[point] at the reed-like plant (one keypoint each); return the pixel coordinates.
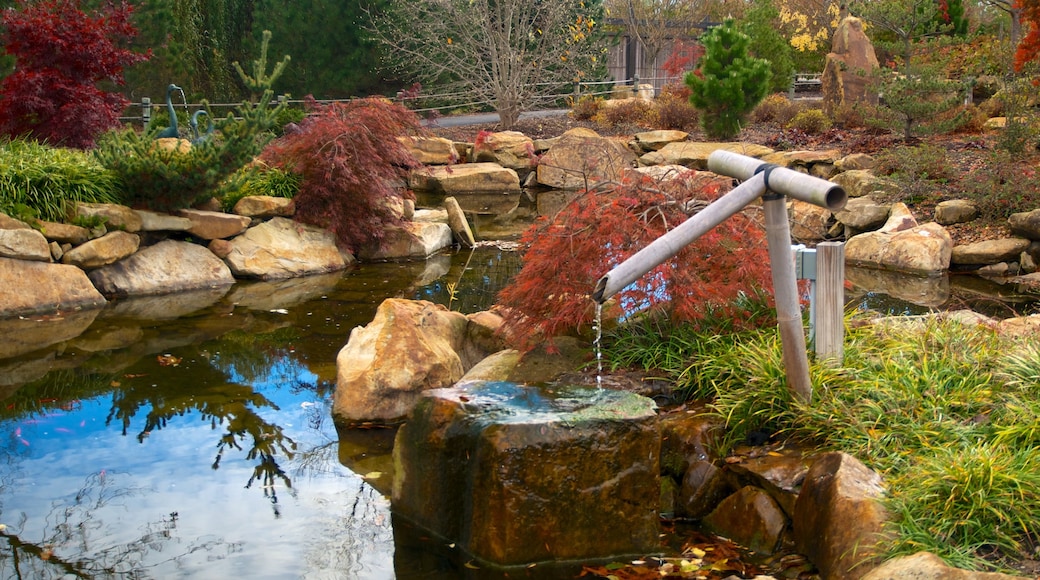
(48, 181)
(948, 413)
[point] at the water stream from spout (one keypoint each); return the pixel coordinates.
(598, 326)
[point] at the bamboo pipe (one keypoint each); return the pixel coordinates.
(785, 292)
(668, 245)
(779, 179)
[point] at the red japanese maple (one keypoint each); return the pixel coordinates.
(566, 256)
(62, 53)
(352, 164)
(1029, 47)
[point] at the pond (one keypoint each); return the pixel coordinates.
(191, 436)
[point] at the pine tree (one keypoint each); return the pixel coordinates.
(729, 82)
(761, 25)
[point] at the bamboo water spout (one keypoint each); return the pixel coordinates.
(772, 183)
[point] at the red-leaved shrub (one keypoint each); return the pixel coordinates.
(62, 53)
(351, 165)
(566, 256)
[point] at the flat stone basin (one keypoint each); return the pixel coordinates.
(516, 475)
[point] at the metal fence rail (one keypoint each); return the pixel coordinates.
(438, 104)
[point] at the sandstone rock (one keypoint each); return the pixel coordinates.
(484, 335)
(664, 172)
(802, 159)
(27, 287)
(409, 240)
(955, 211)
(855, 161)
(510, 149)
(839, 519)
(458, 223)
(56, 251)
(109, 248)
(849, 68)
(437, 216)
(465, 178)
(928, 566)
(214, 225)
(923, 249)
(1026, 224)
(1021, 326)
(703, 488)
(517, 476)
(860, 182)
(64, 233)
(862, 214)
(115, 216)
(9, 223)
(283, 248)
(695, 155)
(24, 244)
(173, 144)
(808, 221)
(780, 474)
(582, 158)
(409, 347)
(264, 206)
(169, 266)
(655, 140)
(750, 518)
(496, 367)
(162, 222)
(687, 438)
(989, 251)
(431, 150)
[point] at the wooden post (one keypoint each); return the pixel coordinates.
(830, 302)
(146, 111)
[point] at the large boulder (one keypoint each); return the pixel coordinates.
(214, 225)
(862, 214)
(749, 517)
(107, 249)
(1026, 224)
(27, 287)
(582, 158)
(839, 519)
(409, 240)
(989, 252)
(114, 215)
(409, 347)
(482, 188)
(515, 475)
(24, 244)
(902, 245)
(928, 566)
(431, 150)
(264, 206)
(510, 149)
(169, 266)
(655, 140)
(283, 248)
(695, 154)
(849, 68)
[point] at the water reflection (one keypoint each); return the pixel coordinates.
(191, 435)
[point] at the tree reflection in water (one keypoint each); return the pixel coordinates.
(75, 542)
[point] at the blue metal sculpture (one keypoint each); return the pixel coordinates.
(194, 124)
(171, 131)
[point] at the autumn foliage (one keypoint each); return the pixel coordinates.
(567, 255)
(1029, 46)
(62, 54)
(351, 165)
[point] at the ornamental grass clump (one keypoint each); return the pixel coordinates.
(46, 182)
(947, 412)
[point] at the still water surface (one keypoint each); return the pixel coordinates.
(191, 437)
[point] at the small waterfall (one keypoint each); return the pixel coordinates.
(597, 325)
